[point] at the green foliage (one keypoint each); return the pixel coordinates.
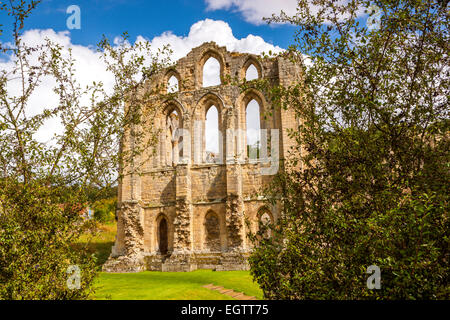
(104, 210)
(44, 187)
(37, 229)
(99, 242)
(371, 184)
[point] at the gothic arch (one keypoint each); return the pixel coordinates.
(173, 103)
(212, 137)
(172, 121)
(206, 101)
(264, 120)
(264, 210)
(204, 104)
(265, 218)
(251, 60)
(249, 95)
(169, 74)
(210, 53)
(164, 234)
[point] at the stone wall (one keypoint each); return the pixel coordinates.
(205, 205)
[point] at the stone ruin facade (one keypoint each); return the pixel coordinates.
(187, 210)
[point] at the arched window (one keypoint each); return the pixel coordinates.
(212, 135)
(173, 122)
(172, 84)
(253, 127)
(163, 239)
(251, 73)
(212, 232)
(265, 219)
(211, 73)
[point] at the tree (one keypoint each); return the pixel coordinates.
(370, 185)
(45, 186)
(105, 209)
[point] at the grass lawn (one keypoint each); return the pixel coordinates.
(160, 285)
(174, 285)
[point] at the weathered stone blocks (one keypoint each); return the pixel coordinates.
(205, 205)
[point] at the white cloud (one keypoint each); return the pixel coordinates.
(251, 73)
(254, 11)
(90, 68)
(173, 84)
(211, 73)
(211, 30)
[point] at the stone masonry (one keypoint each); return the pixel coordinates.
(183, 211)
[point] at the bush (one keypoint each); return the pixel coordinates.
(371, 185)
(36, 245)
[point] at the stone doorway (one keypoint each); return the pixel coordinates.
(163, 236)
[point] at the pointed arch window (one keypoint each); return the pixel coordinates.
(251, 73)
(265, 220)
(211, 73)
(253, 130)
(173, 123)
(163, 239)
(212, 135)
(172, 85)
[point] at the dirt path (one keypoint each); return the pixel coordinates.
(229, 292)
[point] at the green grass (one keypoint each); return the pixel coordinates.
(173, 285)
(100, 243)
(160, 285)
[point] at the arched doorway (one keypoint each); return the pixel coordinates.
(163, 236)
(212, 232)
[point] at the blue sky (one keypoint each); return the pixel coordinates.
(152, 18)
(183, 24)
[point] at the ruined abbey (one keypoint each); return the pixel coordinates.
(188, 207)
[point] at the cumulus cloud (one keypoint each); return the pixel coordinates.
(89, 66)
(254, 11)
(211, 30)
